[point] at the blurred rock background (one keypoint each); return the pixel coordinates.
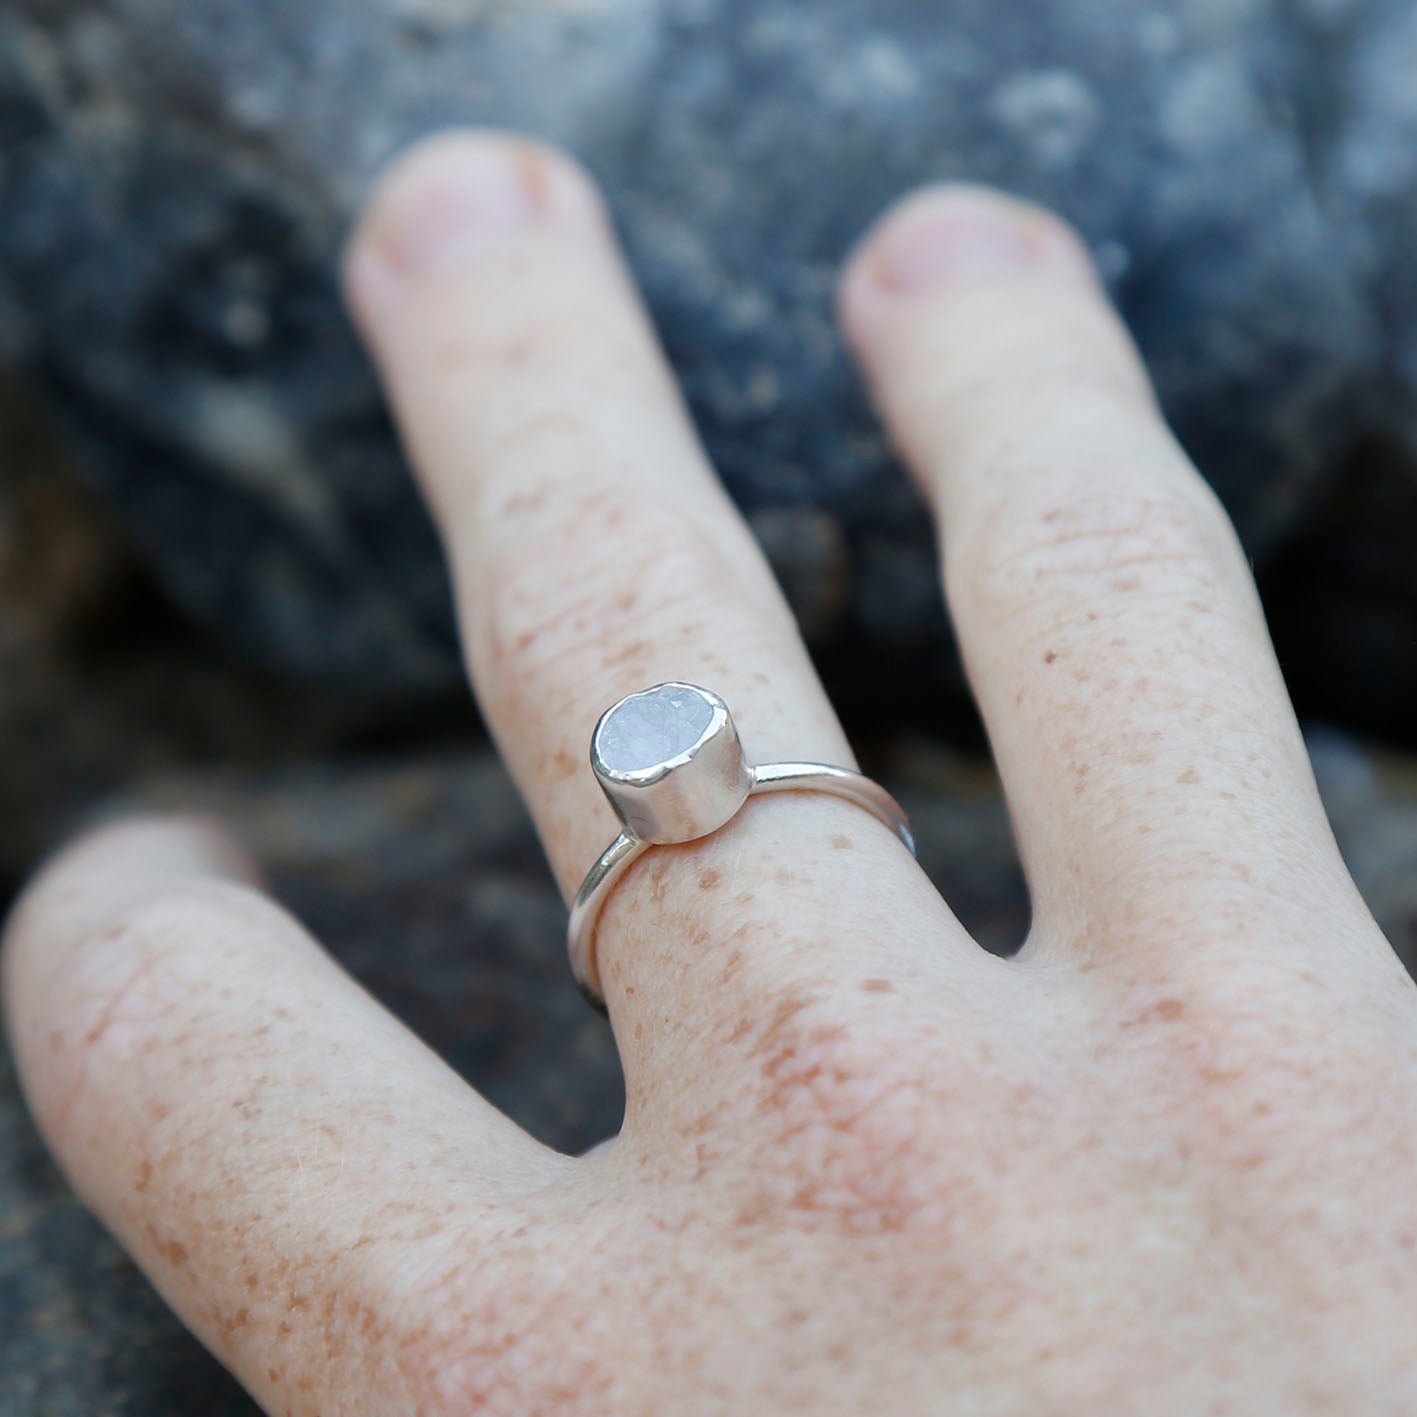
(217, 589)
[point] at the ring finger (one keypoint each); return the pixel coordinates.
(594, 553)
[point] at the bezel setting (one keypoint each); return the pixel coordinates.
(688, 795)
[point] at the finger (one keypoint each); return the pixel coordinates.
(283, 1159)
(595, 554)
(1107, 616)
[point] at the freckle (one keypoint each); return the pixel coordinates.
(176, 1253)
(877, 986)
(1168, 1010)
(1189, 777)
(709, 879)
(564, 764)
(523, 502)
(635, 649)
(1050, 656)
(731, 966)
(842, 843)
(745, 898)
(145, 1175)
(1126, 583)
(1092, 616)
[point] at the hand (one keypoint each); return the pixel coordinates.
(1161, 1163)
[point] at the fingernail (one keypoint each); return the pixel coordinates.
(450, 205)
(954, 239)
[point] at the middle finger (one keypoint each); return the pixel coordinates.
(1112, 632)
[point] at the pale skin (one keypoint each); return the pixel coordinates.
(1161, 1163)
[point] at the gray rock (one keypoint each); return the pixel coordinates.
(178, 175)
(1344, 595)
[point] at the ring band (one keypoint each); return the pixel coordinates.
(672, 766)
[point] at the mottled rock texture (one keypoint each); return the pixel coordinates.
(178, 176)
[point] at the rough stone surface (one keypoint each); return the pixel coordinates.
(179, 174)
(651, 728)
(101, 683)
(1344, 595)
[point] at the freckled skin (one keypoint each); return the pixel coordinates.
(1161, 1164)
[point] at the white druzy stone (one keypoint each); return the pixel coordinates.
(651, 728)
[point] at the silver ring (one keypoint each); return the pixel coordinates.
(671, 763)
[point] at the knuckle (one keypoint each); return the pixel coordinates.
(130, 976)
(1067, 362)
(512, 1334)
(536, 350)
(1094, 536)
(502, 1370)
(858, 1121)
(608, 560)
(1252, 1059)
